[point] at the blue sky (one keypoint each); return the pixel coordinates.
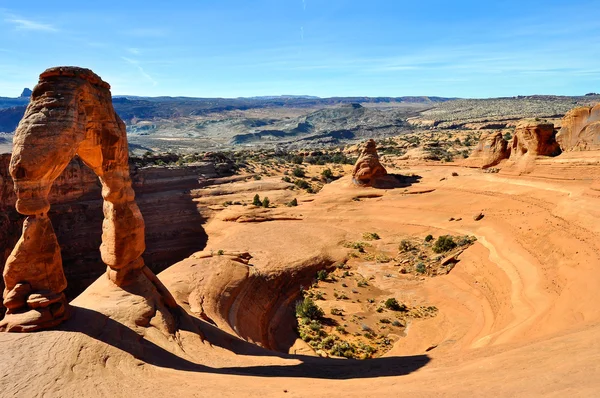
(227, 48)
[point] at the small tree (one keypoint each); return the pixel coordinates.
(257, 201)
(265, 202)
(308, 309)
(327, 174)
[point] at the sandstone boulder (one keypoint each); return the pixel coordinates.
(368, 168)
(534, 138)
(491, 150)
(580, 129)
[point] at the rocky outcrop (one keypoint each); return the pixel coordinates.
(491, 150)
(70, 114)
(534, 138)
(368, 168)
(580, 129)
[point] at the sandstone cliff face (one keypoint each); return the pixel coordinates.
(534, 138)
(491, 150)
(580, 129)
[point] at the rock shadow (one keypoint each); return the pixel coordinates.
(104, 329)
(393, 181)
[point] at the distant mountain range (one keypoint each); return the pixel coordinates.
(132, 108)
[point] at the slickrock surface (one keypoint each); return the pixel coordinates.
(580, 129)
(368, 168)
(519, 307)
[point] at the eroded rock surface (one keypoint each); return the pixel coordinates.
(70, 114)
(491, 150)
(580, 129)
(368, 168)
(534, 138)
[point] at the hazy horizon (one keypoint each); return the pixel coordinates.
(334, 48)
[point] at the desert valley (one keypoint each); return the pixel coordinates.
(297, 246)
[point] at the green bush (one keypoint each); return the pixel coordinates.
(265, 202)
(256, 201)
(429, 238)
(406, 246)
(308, 309)
(327, 174)
(421, 269)
(392, 304)
(322, 275)
(298, 172)
(443, 244)
(371, 236)
(293, 203)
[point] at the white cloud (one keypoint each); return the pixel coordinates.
(140, 69)
(27, 24)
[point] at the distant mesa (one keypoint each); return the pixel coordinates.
(26, 93)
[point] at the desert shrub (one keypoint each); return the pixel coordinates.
(257, 177)
(322, 275)
(362, 283)
(298, 172)
(421, 269)
(220, 252)
(392, 304)
(429, 238)
(265, 202)
(302, 184)
(308, 309)
(385, 320)
(327, 174)
(293, 203)
(371, 236)
(397, 323)
(256, 201)
(337, 311)
(443, 244)
(507, 136)
(406, 246)
(286, 179)
(342, 349)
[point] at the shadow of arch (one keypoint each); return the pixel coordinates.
(106, 330)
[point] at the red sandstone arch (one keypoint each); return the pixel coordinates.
(70, 113)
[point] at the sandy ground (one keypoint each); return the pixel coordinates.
(518, 315)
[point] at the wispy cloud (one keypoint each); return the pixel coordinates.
(140, 69)
(133, 50)
(28, 24)
(147, 32)
(304, 4)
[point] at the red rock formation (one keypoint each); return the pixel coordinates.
(580, 129)
(491, 150)
(368, 168)
(533, 138)
(70, 113)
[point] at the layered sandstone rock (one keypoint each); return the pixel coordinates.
(70, 113)
(580, 129)
(368, 168)
(534, 138)
(491, 150)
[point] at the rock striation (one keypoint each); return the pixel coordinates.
(491, 150)
(70, 114)
(368, 168)
(580, 129)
